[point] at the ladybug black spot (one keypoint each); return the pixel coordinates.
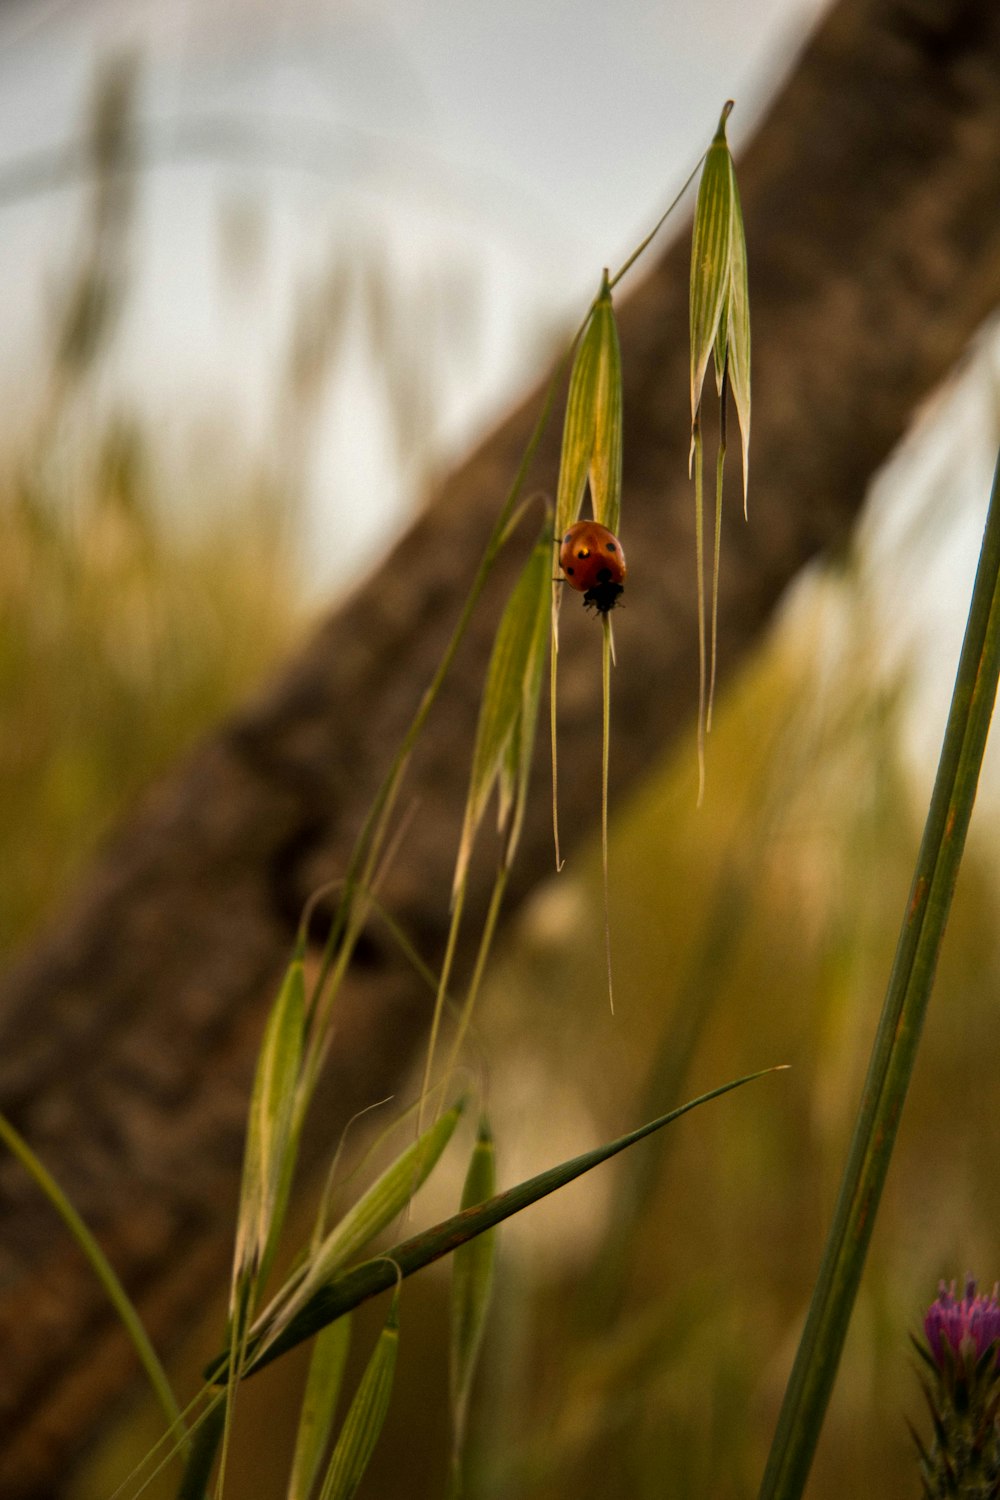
(604, 575)
(571, 571)
(611, 547)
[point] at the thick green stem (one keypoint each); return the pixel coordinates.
(899, 1031)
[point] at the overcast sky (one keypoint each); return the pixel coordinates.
(511, 150)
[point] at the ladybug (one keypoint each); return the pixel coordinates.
(593, 563)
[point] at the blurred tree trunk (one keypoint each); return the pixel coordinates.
(872, 200)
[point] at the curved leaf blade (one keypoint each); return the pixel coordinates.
(349, 1288)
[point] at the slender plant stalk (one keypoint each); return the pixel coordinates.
(607, 657)
(442, 991)
(485, 945)
(896, 1043)
(102, 1269)
(651, 236)
(553, 731)
(198, 1469)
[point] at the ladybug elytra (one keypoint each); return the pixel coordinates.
(593, 563)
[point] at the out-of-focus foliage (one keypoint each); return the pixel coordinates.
(151, 567)
(131, 616)
(124, 632)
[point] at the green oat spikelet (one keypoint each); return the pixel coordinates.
(270, 1130)
(720, 332)
(719, 310)
(326, 1373)
(366, 1415)
(267, 1166)
(591, 450)
(592, 431)
(383, 1201)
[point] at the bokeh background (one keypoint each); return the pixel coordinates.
(267, 274)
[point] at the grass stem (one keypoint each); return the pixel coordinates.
(117, 1295)
(897, 1040)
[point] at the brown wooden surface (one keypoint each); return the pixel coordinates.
(872, 200)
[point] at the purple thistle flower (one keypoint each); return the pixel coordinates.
(962, 1329)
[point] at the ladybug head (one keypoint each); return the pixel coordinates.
(604, 594)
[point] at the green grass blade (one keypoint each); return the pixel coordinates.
(898, 1036)
(326, 1372)
(103, 1270)
(350, 1288)
(366, 1417)
(471, 1286)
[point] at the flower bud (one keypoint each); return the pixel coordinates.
(962, 1356)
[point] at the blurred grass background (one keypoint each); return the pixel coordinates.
(644, 1323)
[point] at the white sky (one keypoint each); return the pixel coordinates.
(522, 146)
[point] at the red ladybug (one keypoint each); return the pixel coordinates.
(593, 562)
